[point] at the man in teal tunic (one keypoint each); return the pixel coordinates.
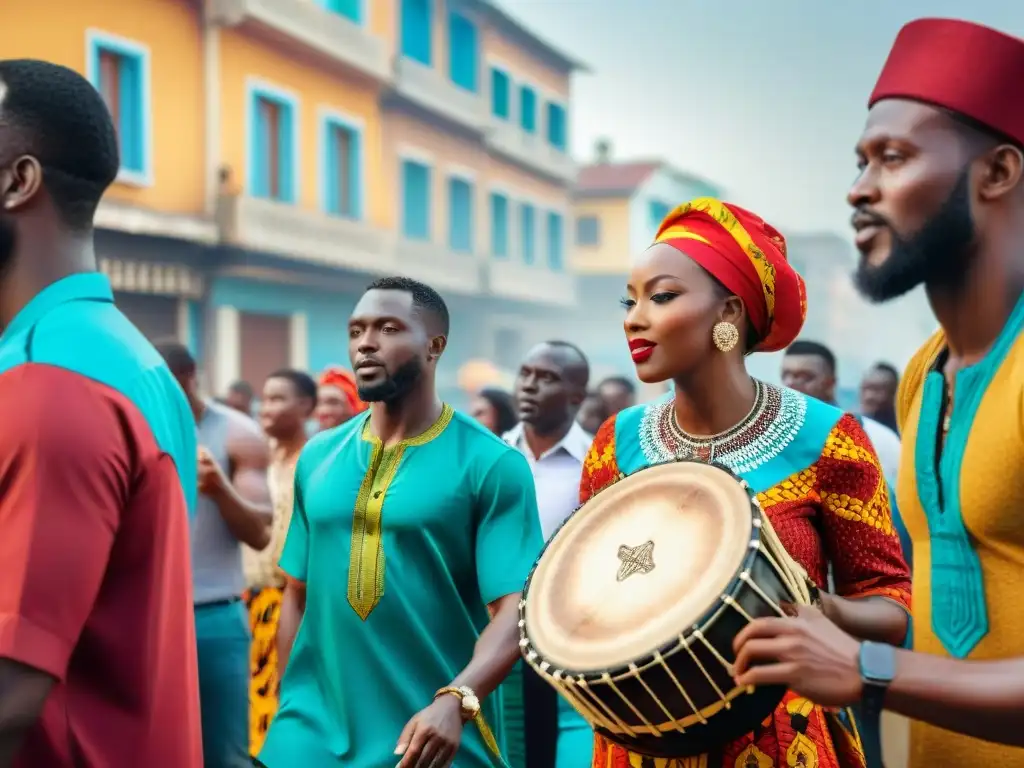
(434, 520)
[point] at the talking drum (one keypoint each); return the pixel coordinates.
(632, 607)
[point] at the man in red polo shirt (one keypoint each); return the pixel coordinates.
(97, 465)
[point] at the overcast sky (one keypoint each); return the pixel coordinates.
(765, 98)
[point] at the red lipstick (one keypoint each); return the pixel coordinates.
(641, 349)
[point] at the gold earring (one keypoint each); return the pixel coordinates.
(725, 335)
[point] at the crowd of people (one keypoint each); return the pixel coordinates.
(184, 585)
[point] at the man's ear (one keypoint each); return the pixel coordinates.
(437, 347)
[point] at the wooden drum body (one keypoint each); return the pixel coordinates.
(631, 610)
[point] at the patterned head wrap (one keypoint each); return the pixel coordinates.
(748, 256)
(336, 376)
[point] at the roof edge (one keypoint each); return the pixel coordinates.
(502, 18)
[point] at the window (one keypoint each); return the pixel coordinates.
(527, 233)
(588, 230)
(499, 226)
(501, 94)
(557, 126)
(460, 215)
(415, 200)
(416, 30)
(659, 211)
(342, 169)
(350, 9)
(556, 241)
(528, 109)
(463, 51)
(272, 146)
(119, 70)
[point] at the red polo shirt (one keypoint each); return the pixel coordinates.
(95, 579)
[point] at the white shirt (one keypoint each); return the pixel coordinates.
(556, 474)
(887, 446)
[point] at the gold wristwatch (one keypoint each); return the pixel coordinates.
(471, 711)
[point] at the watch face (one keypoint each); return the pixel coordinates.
(877, 662)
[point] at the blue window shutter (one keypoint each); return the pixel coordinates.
(460, 215)
(285, 150)
(133, 155)
(500, 88)
(462, 61)
(527, 239)
(528, 109)
(332, 192)
(556, 126)
(416, 30)
(350, 9)
(587, 231)
(555, 241)
(416, 200)
(355, 175)
(260, 149)
(499, 226)
(659, 211)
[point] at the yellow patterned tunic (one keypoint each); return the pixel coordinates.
(963, 510)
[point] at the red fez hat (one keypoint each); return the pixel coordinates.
(961, 66)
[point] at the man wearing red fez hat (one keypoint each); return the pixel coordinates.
(939, 202)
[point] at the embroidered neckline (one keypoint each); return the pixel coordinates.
(774, 420)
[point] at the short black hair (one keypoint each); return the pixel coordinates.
(976, 134)
(888, 368)
(424, 298)
(61, 120)
(177, 357)
(813, 349)
(574, 351)
(620, 381)
(302, 381)
(504, 408)
(244, 388)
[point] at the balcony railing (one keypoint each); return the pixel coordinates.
(304, 23)
(532, 283)
(530, 150)
(431, 90)
(316, 238)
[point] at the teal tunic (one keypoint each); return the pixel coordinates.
(430, 531)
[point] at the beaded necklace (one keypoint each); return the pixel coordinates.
(772, 423)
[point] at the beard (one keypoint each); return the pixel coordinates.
(396, 386)
(937, 254)
(8, 241)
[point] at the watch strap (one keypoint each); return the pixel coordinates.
(478, 719)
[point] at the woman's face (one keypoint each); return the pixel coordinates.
(482, 410)
(672, 305)
(332, 408)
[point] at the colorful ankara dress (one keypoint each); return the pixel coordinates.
(818, 480)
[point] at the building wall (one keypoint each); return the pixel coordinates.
(170, 32)
(451, 155)
(524, 66)
(668, 189)
(612, 253)
(245, 62)
(324, 317)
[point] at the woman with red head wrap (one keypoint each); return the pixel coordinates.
(714, 287)
(337, 399)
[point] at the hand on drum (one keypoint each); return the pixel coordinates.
(807, 653)
(431, 738)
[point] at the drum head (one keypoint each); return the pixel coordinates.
(638, 565)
